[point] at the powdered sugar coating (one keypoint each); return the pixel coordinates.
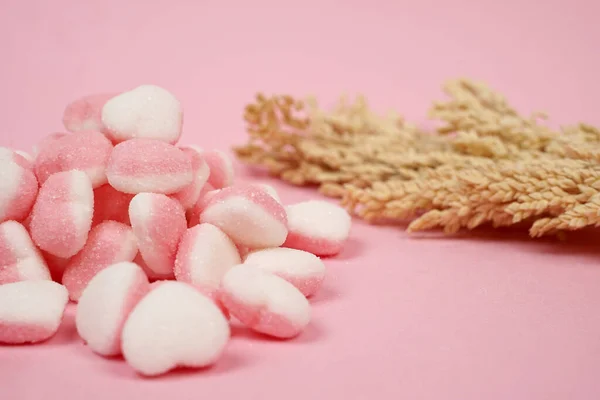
(18, 190)
(85, 113)
(147, 111)
(318, 227)
(302, 269)
(86, 151)
(193, 331)
(205, 254)
(20, 260)
(110, 242)
(31, 311)
(158, 223)
(62, 214)
(248, 215)
(106, 303)
(221, 168)
(145, 165)
(264, 302)
(189, 195)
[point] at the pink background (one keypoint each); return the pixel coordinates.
(489, 317)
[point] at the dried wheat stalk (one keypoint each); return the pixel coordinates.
(487, 164)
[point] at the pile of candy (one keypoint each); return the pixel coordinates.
(154, 241)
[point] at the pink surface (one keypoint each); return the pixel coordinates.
(494, 317)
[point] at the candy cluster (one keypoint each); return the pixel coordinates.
(153, 240)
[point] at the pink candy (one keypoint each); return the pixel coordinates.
(47, 140)
(20, 260)
(188, 196)
(86, 151)
(148, 112)
(145, 165)
(248, 215)
(108, 243)
(62, 214)
(158, 223)
(302, 269)
(318, 227)
(264, 302)
(221, 168)
(204, 256)
(31, 311)
(106, 303)
(174, 326)
(85, 113)
(120, 206)
(18, 187)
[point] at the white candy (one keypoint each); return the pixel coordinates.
(20, 260)
(31, 311)
(205, 253)
(302, 269)
(158, 223)
(318, 227)
(248, 215)
(221, 168)
(264, 302)
(18, 189)
(174, 325)
(106, 303)
(147, 111)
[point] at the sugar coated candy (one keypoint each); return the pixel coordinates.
(106, 303)
(248, 215)
(302, 269)
(145, 165)
(188, 196)
(193, 332)
(62, 214)
(86, 151)
(148, 112)
(264, 302)
(221, 168)
(85, 113)
(318, 227)
(108, 243)
(18, 188)
(205, 254)
(20, 260)
(31, 311)
(158, 223)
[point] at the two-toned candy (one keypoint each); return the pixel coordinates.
(31, 311)
(248, 215)
(62, 214)
(108, 243)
